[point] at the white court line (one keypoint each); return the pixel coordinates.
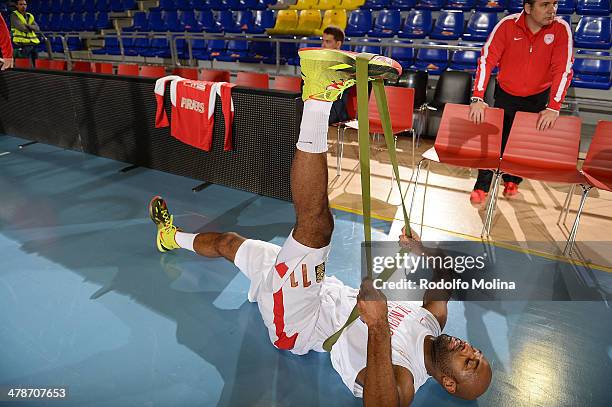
(5, 153)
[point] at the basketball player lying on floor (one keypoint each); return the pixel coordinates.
(383, 363)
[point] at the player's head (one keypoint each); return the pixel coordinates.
(333, 37)
(542, 12)
(22, 6)
(460, 368)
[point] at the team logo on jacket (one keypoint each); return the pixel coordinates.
(320, 272)
(549, 38)
(191, 104)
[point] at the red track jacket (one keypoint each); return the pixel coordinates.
(5, 40)
(528, 63)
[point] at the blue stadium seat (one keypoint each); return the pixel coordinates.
(418, 24)
(228, 21)
(207, 19)
(77, 22)
(461, 4)
(234, 5)
(189, 21)
(217, 4)
(466, 60)
(199, 50)
(89, 6)
(140, 46)
(244, 20)
(216, 48)
(515, 6)
(89, 22)
(593, 32)
(376, 4)
(372, 49)
(167, 5)
(260, 51)
(434, 61)
(184, 5)
(67, 6)
(102, 5)
(490, 5)
(156, 22)
(200, 4)
(592, 73)
(568, 19)
(405, 56)
(359, 23)
(56, 44)
(263, 20)
(74, 43)
(433, 5)
(55, 22)
(118, 6)
(288, 51)
(45, 6)
(66, 22)
(566, 6)
(56, 6)
(593, 7)
(448, 26)
(141, 23)
(43, 21)
(480, 25)
(387, 24)
(403, 5)
(111, 47)
(172, 22)
(102, 21)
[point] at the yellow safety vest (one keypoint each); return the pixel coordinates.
(20, 37)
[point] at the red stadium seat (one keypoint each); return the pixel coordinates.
(187, 73)
(57, 65)
(528, 154)
(103, 67)
(253, 80)
(152, 71)
(127, 69)
(42, 64)
(23, 63)
(290, 83)
(213, 75)
(462, 143)
(81, 66)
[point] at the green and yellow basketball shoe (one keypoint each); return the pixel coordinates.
(328, 73)
(166, 231)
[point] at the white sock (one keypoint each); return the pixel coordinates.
(314, 127)
(185, 240)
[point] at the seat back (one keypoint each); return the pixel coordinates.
(213, 75)
(309, 20)
(430, 4)
(403, 55)
(351, 4)
(388, 21)
(289, 83)
(461, 4)
(462, 142)
(149, 71)
(418, 24)
(328, 4)
(449, 25)
(453, 87)
(466, 60)
(529, 147)
(286, 20)
(480, 25)
(372, 49)
(127, 69)
(598, 163)
(593, 7)
(336, 18)
(593, 32)
(490, 5)
(359, 22)
(253, 80)
(400, 101)
(416, 80)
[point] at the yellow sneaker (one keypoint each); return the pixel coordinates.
(327, 73)
(166, 231)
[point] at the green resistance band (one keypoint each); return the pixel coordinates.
(364, 162)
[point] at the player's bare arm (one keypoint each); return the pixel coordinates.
(383, 383)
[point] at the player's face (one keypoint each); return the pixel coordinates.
(467, 371)
(543, 12)
(22, 6)
(329, 42)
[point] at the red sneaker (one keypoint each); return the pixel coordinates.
(478, 197)
(510, 189)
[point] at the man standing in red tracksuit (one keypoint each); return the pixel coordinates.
(533, 51)
(5, 46)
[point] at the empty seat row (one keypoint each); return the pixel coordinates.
(327, 4)
(227, 21)
(74, 22)
(184, 5)
(80, 6)
(309, 22)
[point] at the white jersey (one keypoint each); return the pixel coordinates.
(409, 323)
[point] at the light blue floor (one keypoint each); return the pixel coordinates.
(87, 302)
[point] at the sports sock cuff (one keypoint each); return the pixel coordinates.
(314, 126)
(185, 240)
